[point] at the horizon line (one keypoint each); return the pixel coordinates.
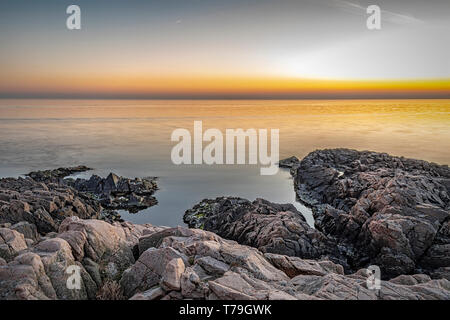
(443, 96)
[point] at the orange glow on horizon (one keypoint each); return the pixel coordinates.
(208, 85)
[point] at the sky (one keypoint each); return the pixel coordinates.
(224, 49)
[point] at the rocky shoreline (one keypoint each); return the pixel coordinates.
(369, 208)
(389, 211)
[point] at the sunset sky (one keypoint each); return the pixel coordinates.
(224, 49)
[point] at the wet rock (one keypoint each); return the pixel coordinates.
(291, 163)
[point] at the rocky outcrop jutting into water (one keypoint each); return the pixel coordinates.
(270, 227)
(390, 211)
(114, 192)
(45, 198)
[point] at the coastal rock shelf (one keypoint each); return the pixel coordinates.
(45, 198)
(181, 263)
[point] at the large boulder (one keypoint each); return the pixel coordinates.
(11, 243)
(28, 230)
(95, 250)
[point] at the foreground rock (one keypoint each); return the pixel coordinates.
(181, 263)
(94, 249)
(195, 264)
(389, 211)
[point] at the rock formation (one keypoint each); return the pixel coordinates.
(369, 208)
(182, 263)
(45, 198)
(390, 211)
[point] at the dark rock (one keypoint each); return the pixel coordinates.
(110, 216)
(27, 229)
(45, 198)
(270, 227)
(369, 208)
(41, 204)
(387, 210)
(291, 163)
(114, 192)
(55, 175)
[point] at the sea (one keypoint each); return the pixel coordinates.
(132, 138)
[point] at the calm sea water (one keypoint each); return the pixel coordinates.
(132, 138)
